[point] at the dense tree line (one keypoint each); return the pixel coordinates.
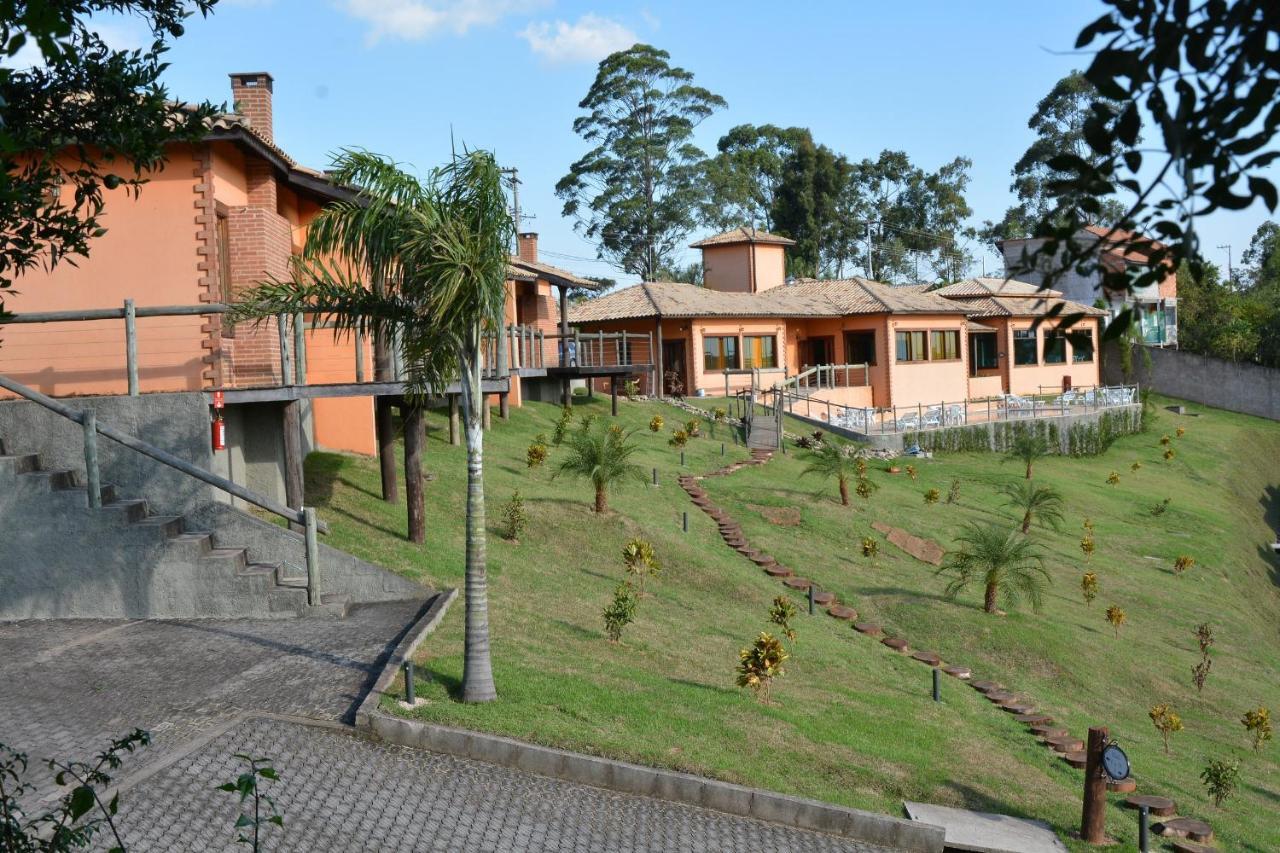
(1236, 319)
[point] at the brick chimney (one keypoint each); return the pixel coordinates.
(527, 247)
(251, 95)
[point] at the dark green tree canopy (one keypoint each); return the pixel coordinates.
(743, 179)
(102, 111)
(1203, 78)
(804, 204)
(1058, 123)
(637, 192)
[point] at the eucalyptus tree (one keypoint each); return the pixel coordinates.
(744, 177)
(637, 192)
(440, 246)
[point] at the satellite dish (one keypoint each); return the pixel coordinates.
(1115, 764)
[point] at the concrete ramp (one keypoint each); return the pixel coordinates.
(986, 832)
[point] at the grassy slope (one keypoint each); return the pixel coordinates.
(852, 721)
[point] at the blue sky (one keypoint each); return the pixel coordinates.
(935, 79)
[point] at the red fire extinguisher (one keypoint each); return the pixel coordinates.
(219, 427)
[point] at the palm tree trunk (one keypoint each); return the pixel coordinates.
(990, 603)
(602, 499)
(844, 492)
(477, 668)
(415, 499)
(1026, 522)
(1028, 469)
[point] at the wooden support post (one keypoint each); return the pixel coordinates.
(487, 412)
(415, 499)
(591, 388)
(504, 406)
(566, 398)
(660, 382)
(292, 425)
(300, 347)
(93, 480)
(131, 345)
(1093, 815)
(286, 360)
(613, 394)
(312, 551)
(454, 437)
(359, 334)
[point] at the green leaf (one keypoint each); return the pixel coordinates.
(79, 802)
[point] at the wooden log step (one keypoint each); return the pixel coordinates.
(961, 672)
(1034, 719)
(1017, 707)
(822, 598)
(1124, 786)
(761, 559)
(746, 551)
(839, 611)
(931, 658)
(871, 629)
(1043, 730)
(1064, 743)
(986, 686)
(896, 643)
(1184, 827)
(998, 696)
(797, 583)
(1159, 806)
(777, 571)
(1076, 759)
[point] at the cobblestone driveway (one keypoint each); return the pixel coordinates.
(69, 687)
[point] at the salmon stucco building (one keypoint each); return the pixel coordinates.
(867, 344)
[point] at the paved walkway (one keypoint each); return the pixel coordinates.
(202, 687)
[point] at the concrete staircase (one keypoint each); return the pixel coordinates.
(205, 576)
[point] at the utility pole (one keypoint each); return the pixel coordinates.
(1231, 278)
(514, 174)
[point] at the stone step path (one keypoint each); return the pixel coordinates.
(1188, 834)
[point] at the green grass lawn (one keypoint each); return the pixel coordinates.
(851, 721)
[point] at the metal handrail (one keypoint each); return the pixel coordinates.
(88, 420)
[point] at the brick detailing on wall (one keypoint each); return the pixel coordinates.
(251, 95)
(261, 181)
(207, 266)
(261, 243)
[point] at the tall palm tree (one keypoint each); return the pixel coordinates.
(602, 454)
(425, 259)
(1006, 564)
(1042, 504)
(1028, 447)
(831, 463)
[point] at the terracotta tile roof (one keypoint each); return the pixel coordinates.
(515, 273)
(555, 275)
(991, 286)
(744, 234)
(998, 306)
(803, 298)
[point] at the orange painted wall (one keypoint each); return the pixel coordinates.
(714, 382)
(1029, 379)
(744, 267)
(149, 254)
(341, 423)
(928, 382)
(835, 328)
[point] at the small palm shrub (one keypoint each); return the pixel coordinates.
(1258, 724)
(620, 612)
(1180, 432)
(953, 493)
(912, 473)
(693, 428)
(1027, 448)
(679, 438)
(1160, 508)
(562, 425)
(870, 547)
(640, 561)
(656, 423)
(1182, 563)
(1220, 779)
(781, 614)
(1005, 563)
(514, 517)
(602, 456)
(1169, 454)
(535, 455)
(760, 663)
(1117, 617)
(932, 496)
(1089, 587)
(1135, 467)
(1113, 478)
(830, 463)
(1166, 721)
(1042, 504)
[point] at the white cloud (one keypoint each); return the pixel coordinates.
(420, 19)
(591, 39)
(118, 32)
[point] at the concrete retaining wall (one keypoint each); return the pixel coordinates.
(1237, 387)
